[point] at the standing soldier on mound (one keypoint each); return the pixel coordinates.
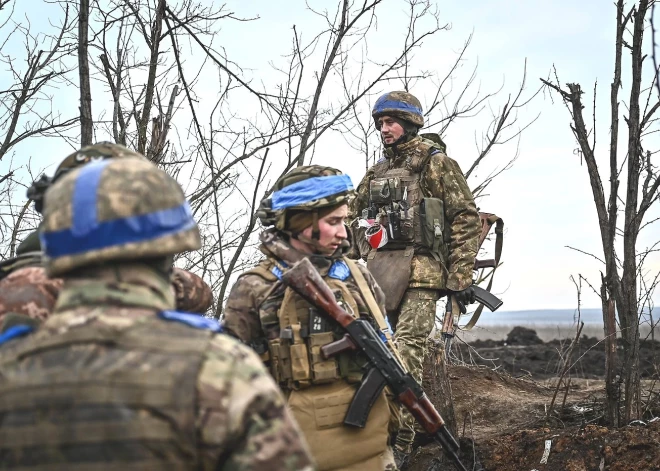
(423, 232)
(115, 378)
(308, 209)
(26, 292)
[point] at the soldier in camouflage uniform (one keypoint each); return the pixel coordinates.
(115, 379)
(308, 209)
(25, 289)
(417, 200)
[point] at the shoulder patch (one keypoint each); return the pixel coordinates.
(15, 332)
(277, 272)
(339, 270)
(196, 321)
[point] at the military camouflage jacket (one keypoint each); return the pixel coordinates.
(442, 179)
(25, 288)
(252, 292)
(240, 418)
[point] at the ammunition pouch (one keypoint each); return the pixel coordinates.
(296, 361)
(384, 191)
(432, 227)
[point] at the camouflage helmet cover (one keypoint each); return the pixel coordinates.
(91, 153)
(309, 188)
(114, 210)
(402, 105)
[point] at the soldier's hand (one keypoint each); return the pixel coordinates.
(464, 297)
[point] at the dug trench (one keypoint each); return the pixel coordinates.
(502, 394)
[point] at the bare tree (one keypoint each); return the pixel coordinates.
(623, 282)
(33, 83)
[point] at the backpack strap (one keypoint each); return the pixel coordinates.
(487, 221)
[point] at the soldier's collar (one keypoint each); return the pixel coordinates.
(274, 245)
(129, 286)
(401, 151)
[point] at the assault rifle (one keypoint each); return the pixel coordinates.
(482, 296)
(384, 369)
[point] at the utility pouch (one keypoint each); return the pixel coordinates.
(280, 360)
(300, 370)
(385, 190)
(323, 371)
(351, 367)
(432, 222)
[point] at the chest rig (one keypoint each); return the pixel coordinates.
(400, 204)
(296, 331)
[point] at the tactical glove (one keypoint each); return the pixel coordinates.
(464, 297)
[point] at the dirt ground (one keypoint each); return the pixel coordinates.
(502, 391)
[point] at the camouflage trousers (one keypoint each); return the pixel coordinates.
(414, 325)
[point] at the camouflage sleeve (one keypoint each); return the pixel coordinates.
(361, 199)
(445, 179)
(192, 293)
(359, 246)
(241, 316)
(243, 419)
(29, 291)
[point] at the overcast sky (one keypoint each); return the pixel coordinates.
(545, 199)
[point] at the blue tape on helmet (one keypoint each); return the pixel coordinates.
(87, 233)
(84, 216)
(386, 104)
(119, 232)
(310, 190)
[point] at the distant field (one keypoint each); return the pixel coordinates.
(549, 324)
(544, 331)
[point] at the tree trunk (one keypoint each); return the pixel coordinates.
(611, 388)
(436, 383)
(86, 121)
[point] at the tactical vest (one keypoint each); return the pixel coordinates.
(294, 350)
(320, 390)
(102, 398)
(411, 217)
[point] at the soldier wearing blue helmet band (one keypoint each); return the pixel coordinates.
(305, 218)
(418, 204)
(116, 378)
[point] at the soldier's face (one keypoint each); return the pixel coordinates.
(332, 231)
(390, 130)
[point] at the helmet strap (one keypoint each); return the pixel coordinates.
(316, 232)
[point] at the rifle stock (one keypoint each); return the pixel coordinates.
(384, 367)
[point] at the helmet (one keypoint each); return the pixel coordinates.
(308, 188)
(400, 105)
(114, 210)
(92, 153)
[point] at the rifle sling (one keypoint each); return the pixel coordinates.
(499, 240)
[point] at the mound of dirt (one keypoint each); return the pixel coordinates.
(523, 336)
(523, 355)
(632, 448)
